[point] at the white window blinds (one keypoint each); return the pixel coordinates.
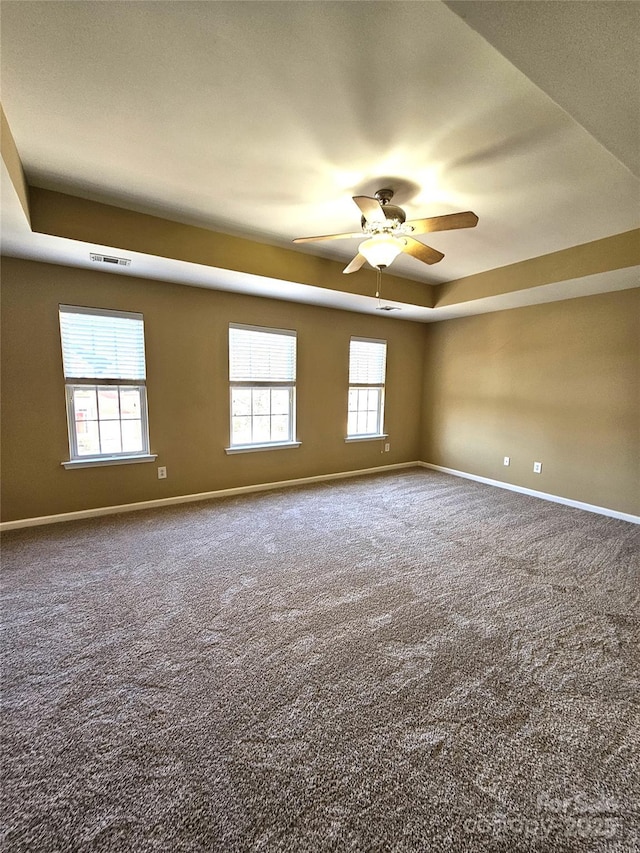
(99, 344)
(261, 355)
(367, 361)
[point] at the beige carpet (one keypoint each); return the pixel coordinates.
(407, 663)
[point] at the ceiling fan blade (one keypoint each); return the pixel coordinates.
(423, 253)
(443, 223)
(355, 264)
(357, 236)
(370, 208)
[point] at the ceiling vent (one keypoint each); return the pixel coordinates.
(109, 259)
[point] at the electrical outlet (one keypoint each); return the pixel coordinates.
(387, 447)
(507, 460)
(162, 473)
(537, 467)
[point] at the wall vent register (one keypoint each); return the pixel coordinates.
(110, 259)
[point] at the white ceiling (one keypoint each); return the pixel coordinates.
(263, 119)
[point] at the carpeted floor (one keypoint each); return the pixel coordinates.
(408, 663)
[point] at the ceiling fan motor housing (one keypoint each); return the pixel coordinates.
(391, 211)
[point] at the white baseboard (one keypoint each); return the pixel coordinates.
(203, 496)
(263, 487)
(601, 510)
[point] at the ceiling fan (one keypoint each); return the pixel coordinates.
(388, 233)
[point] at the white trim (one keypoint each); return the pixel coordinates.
(263, 487)
(601, 510)
(108, 460)
(251, 448)
(377, 437)
(247, 328)
(368, 340)
(203, 496)
(103, 312)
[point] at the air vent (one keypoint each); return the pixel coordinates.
(109, 259)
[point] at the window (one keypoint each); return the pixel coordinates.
(367, 364)
(105, 374)
(262, 376)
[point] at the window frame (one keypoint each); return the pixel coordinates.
(95, 383)
(380, 387)
(258, 384)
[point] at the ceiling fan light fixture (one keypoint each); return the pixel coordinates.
(389, 233)
(381, 250)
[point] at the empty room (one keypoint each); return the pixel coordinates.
(320, 426)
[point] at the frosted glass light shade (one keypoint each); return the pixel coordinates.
(381, 250)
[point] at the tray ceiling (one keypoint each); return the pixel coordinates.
(262, 120)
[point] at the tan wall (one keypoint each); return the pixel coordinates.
(556, 383)
(186, 344)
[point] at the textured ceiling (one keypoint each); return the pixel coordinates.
(263, 119)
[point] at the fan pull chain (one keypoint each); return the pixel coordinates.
(379, 286)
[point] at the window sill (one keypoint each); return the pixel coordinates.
(252, 448)
(94, 462)
(351, 438)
